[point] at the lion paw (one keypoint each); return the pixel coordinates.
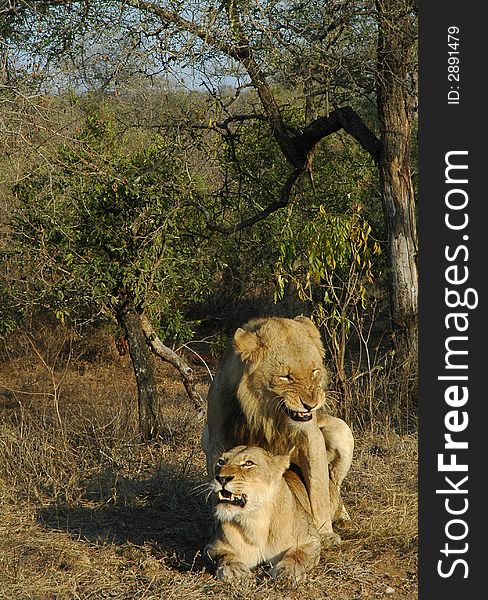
(289, 570)
(330, 539)
(232, 571)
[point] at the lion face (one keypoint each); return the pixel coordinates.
(298, 393)
(246, 479)
(283, 360)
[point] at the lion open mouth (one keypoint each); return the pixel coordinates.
(230, 498)
(295, 415)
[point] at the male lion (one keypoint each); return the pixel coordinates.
(267, 391)
(263, 515)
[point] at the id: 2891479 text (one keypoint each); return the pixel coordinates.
(453, 65)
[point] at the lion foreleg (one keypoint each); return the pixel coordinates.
(315, 469)
(230, 569)
(339, 442)
(208, 448)
(226, 562)
(213, 448)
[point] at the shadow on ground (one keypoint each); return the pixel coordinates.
(166, 512)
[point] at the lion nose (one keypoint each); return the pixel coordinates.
(307, 407)
(223, 480)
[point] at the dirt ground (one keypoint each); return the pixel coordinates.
(88, 512)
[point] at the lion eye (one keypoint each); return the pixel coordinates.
(286, 377)
(220, 463)
(248, 464)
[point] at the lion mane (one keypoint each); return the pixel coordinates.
(269, 359)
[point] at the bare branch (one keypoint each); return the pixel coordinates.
(271, 208)
(170, 356)
(342, 118)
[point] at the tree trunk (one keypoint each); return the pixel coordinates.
(144, 372)
(395, 108)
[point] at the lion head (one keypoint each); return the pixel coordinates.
(246, 479)
(283, 375)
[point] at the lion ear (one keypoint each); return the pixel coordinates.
(246, 343)
(313, 333)
(282, 461)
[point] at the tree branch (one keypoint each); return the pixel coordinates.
(231, 119)
(342, 118)
(183, 24)
(295, 148)
(170, 356)
(261, 215)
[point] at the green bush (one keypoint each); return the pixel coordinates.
(108, 225)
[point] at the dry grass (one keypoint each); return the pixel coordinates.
(87, 512)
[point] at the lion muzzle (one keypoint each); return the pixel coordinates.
(297, 415)
(226, 497)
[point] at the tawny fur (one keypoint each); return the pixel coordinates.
(274, 527)
(274, 365)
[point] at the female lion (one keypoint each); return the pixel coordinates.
(263, 516)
